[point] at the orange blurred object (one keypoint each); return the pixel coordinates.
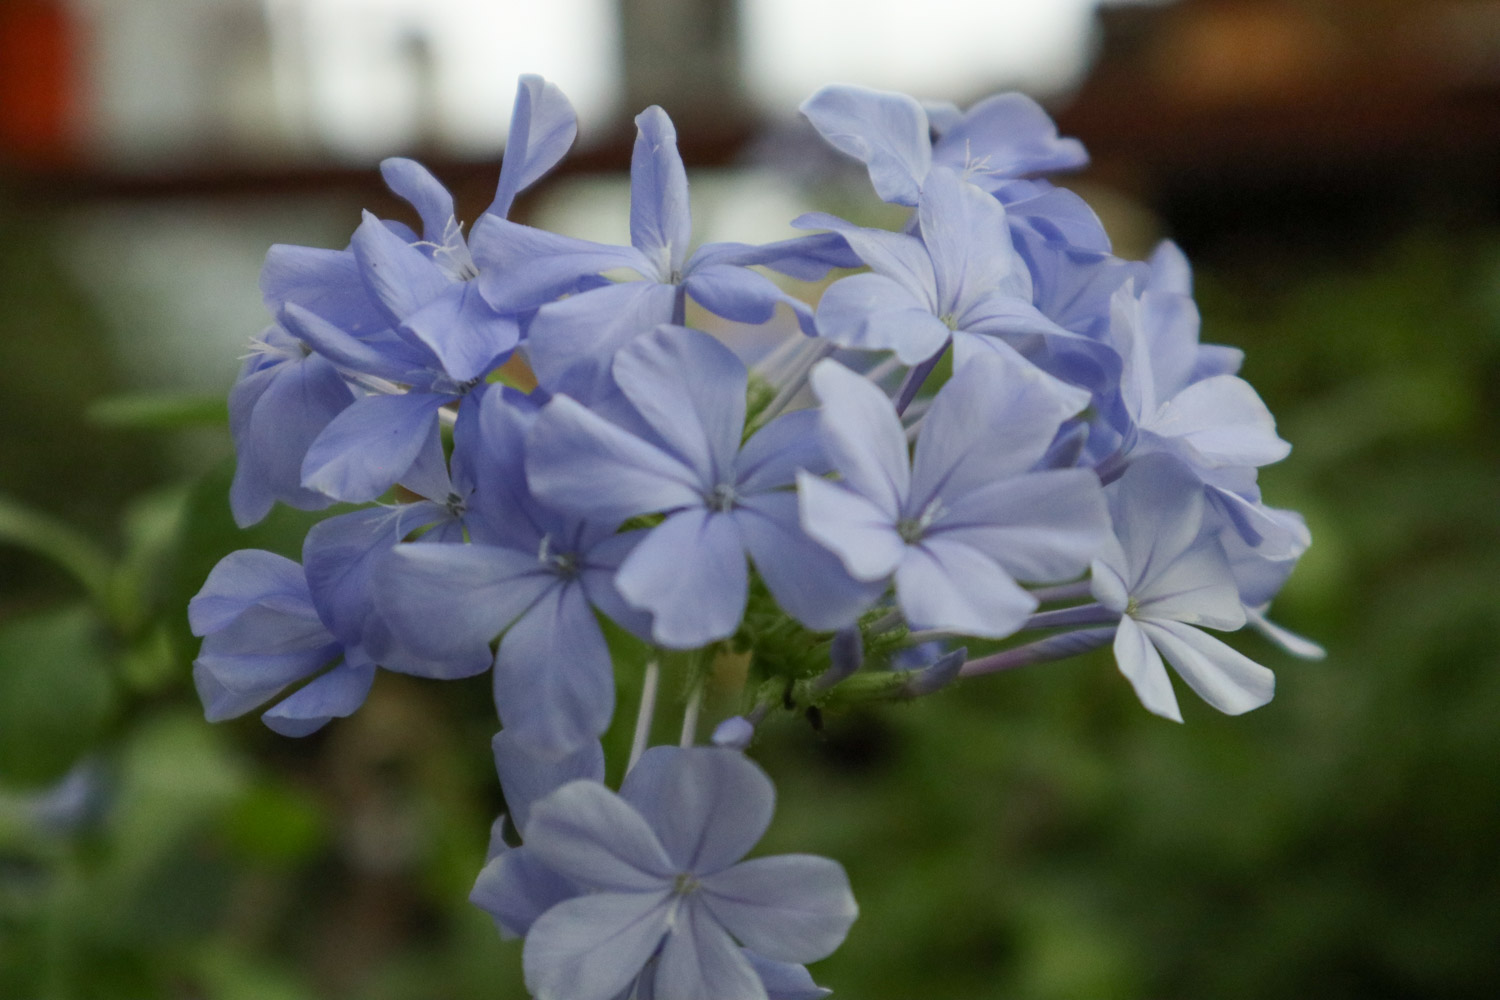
(40, 84)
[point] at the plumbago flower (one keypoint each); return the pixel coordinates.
(635, 498)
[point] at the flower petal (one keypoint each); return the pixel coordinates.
(1224, 677)
(791, 907)
(700, 960)
(590, 834)
(708, 805)
(591, 947)
(689, 573)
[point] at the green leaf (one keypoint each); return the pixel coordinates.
(160, 412)
(56, 693)
(52, 539)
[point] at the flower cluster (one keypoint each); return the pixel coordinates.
(993, 426)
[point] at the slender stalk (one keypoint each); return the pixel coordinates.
(914, 379)
(795, 380)
(1083, 614)
(1075, 591)
(1055, 647)
(644, 713)
(690, 717)
(780, 357)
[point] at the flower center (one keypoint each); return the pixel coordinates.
(912, 529)
(456, 504)
(564, 564)
(685, 884)
(721, 500)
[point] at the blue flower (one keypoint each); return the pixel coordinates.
(530, 572)
(960, 280)
(722, 500)
(970, 516)
(1166, 577)
(531, 268)
(1003, 137)
(663, 881)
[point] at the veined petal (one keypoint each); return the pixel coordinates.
(400, 278)
(791, 907)
(591, 947)
(689, 573)
(742, 295)
(863, 436)
(527, 777)
(947, 585)
(414, 184)
(708, 805)
(242, 579)
(887, 132)
(1225, 422)
(807, 579)
(590, 327)
(1007, 135)
(1197, 588)
(851, 526)
(543, 126)
(582, 463)
(370, 445)
(966, 233)
(333, 695)
(660, 222)
(897, 256)
(590, 834)
(447, 601)
(995, 418)
(522, 268)
(691, 390)
(1222, 676)
(325, 282)
(871, 312)
(1157, 510)
(466, 335)
(1141, 664)
(554, 685)
(515, 888)
(700, 960)
(774, 454)
(1041, 527)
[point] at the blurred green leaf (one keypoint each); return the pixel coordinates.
(160, 412)
(56, 693)
(50, 538)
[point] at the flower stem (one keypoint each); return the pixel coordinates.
(1055, 647)
(690, 717)
(644, 713)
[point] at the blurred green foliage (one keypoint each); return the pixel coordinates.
(1035, 836)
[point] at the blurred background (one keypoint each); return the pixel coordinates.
(1332, 169)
